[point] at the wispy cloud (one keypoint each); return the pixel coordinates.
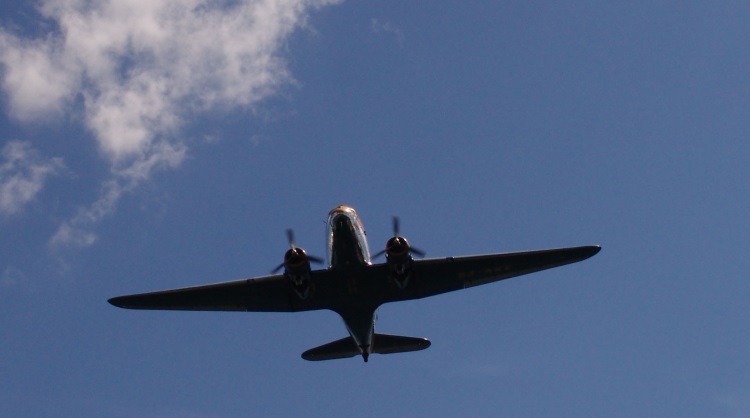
(78, 230)
(22, 175)
(378, 26)
(11, 276)
(735, 403)
(141, 68)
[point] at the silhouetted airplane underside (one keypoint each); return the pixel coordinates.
(354, 287)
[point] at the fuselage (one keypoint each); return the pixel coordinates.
(347, 240)
(348, 250)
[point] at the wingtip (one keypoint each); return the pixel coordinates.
(118, 302)
(590, 251)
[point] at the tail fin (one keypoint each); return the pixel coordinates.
(381, 344)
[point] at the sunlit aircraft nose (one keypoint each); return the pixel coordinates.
(342, 209)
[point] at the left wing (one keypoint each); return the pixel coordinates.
(263, 294)
(436, 276)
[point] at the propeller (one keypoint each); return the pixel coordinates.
(294, 251)
(399, 240)
(418, 252)
(290, 237)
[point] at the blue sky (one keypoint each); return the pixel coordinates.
(151, 145)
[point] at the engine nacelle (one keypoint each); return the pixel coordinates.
(297, 271)
(399, 260)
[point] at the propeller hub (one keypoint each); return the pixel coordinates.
(295, 257)
(397, 246)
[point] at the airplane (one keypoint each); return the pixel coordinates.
(353, 286)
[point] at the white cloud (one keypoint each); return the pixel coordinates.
(22, 175)
(141, 68)
(35, 77)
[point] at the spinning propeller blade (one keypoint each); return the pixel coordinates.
(290, 237)
(396, 234)
(293, 246)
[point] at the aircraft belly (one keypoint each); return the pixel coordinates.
(345, 289)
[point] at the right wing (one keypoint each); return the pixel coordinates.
(263, 294)
(436, 276)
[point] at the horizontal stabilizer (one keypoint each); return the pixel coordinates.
(381, 344)
(389, 344)
(343, 348)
